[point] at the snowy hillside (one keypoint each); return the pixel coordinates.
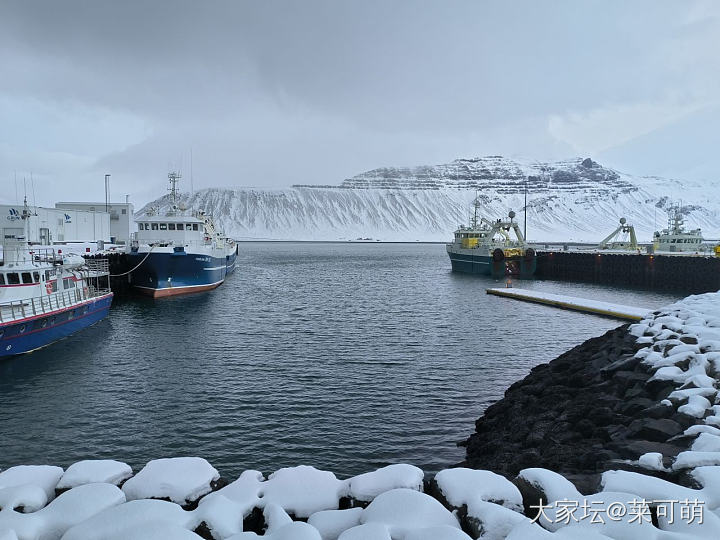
(576, 200)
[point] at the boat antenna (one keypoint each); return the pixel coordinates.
(475, 205)
(192, 189)
(174, 178)
(525, 210)
(32, 183)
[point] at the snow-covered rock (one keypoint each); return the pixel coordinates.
(91, 471)
(460, 486)
(331, 523)
(45, 477)
(367, 531)
(70, 508)
(31, 498)
(129, 518)
(403, 510)
(365, 487)
(302, 490)
(181, 479)
(491, 521)
(224, 510)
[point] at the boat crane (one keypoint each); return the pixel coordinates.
(623, 237)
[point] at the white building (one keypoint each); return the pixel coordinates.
(121, 217)
(53, 225)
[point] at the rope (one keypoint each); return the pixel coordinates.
(138, 266)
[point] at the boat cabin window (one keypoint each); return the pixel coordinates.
(36, 277)
(195, 226)
(180, 227)
(27, 277)
(154, 226)
(163, 226)
(171, 226)
(49, 274)
(2, 279)
(68, 283)
(13, 278)
(188, 226)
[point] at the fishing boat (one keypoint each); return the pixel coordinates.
(489, 248)
(178, 252)
(675, 238)
(46, 295)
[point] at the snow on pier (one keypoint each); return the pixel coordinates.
(619, 311)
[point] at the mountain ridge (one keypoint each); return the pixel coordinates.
(570, 200)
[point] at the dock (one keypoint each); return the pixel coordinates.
(596, 307)
(684, 273)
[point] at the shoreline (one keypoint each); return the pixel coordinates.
(624, 419)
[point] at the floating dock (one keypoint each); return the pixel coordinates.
(596, 307)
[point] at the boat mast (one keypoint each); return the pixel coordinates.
(173, 178)
(525, 211)
(475, 205)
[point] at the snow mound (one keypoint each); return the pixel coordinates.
(181, 479)
(367, 531)
(365, 487)
(461, 486)
(43, 476)
(126, 519)
(302, 490)
(31, 498)
(331, 523)
(491, 521)
(91, 471)
(403, 510)
(68, 509)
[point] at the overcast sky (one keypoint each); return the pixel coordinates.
(271, 93)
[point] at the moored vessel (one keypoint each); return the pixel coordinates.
(179, 252)
(46, 295)
(488, 248)
(675, 238)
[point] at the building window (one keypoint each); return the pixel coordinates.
(154, 226)
(171, 226)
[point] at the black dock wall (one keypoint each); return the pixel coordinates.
(685, 274)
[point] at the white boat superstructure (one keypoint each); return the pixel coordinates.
(179, 252)
(46, 295)
(675, 238)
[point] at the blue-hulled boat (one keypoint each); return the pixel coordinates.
(46, 295)
(179, 252)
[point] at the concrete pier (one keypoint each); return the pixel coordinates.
(596, 307)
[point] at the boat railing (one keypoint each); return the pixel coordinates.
(40, 305)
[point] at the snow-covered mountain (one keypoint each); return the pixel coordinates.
(574, 200)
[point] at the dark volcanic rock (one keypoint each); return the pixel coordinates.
(579, 415)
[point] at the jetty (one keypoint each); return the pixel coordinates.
(596, 307)
(687, 273)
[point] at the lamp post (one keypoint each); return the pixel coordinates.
(107, 188)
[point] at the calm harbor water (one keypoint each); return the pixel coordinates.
(342, 356)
